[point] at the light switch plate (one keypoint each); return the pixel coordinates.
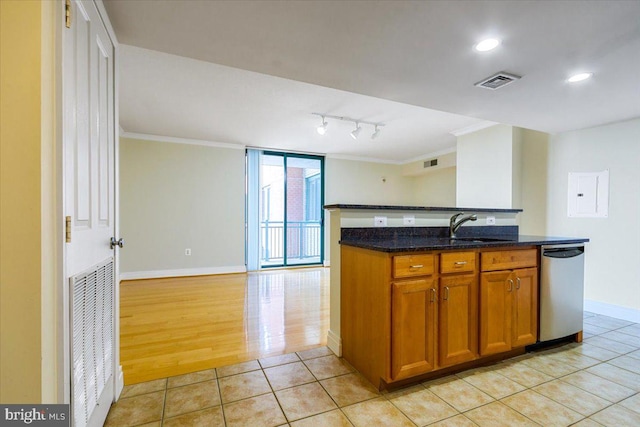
(491, 220)
(380, 221)
(409, 220)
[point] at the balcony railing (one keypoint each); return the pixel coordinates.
(303, 242)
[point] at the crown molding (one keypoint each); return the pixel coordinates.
(431, 155)
(473, 128)
(174, 140)
(363, 159)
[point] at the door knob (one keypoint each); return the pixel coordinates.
(114, 242)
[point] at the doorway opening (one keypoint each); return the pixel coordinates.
(285, 195)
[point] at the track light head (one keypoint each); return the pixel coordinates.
(356, 131)
(322, 129)
(375, 133)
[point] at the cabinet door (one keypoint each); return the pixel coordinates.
(525, 313)
(495, 312)
(413, 310)
(458, 319)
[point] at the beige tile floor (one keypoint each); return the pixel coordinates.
(596, 383)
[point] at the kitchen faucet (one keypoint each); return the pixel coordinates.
(454, 226)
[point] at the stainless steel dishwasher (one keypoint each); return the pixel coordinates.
(561, 290)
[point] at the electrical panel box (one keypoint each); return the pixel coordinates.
(588, 195)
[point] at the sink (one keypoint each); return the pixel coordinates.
(479, 239)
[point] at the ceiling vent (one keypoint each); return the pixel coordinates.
(497, 81)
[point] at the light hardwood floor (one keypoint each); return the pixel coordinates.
(180, 325)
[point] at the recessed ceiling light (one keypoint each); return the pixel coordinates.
(579, 77)
(487, 44)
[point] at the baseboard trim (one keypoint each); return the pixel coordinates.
(181, 272)
(119, 382)
(334, 342)
(611, 310)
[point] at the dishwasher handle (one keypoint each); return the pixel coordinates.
(563, 252)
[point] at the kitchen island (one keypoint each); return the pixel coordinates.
(416, 303)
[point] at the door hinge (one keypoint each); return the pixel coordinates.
(67, 229)
(67, 13)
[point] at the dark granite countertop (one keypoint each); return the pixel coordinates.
(414, 244)
(417, 208)
(409, 239)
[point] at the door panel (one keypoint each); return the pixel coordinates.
(525, 323)
(304, 210)
(272, 210)
(495, 312)
(89, 201)
(89, 139)
(458, 313)
(413, 311)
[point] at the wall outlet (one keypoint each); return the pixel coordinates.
(187, 252)
(409, 220)
(491, 220)
(380, 221)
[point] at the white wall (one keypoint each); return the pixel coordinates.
(484, 168)
(436, 188)
(517, 136)
(360, 182)
(533, 186)
(178, 196)
(612, 266)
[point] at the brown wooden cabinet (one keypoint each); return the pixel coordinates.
(458, 319)
(433, 312)
(508, 300)
(524, 326)
(458, 308)
(413, 327)
(408, 314)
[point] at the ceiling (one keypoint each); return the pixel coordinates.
(252, 72)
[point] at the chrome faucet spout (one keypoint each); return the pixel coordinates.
(454, 223)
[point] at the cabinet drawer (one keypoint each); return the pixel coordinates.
(506, 260)
(413, 265)
(457, 262)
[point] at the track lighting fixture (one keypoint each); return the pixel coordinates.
(356, 131)
(376, 133)
(322, 129)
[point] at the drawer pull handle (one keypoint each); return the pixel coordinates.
(460, 263)
(416, 266)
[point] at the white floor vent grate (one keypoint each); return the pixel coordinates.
(92, 302)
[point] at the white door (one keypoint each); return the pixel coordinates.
(89, 204)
